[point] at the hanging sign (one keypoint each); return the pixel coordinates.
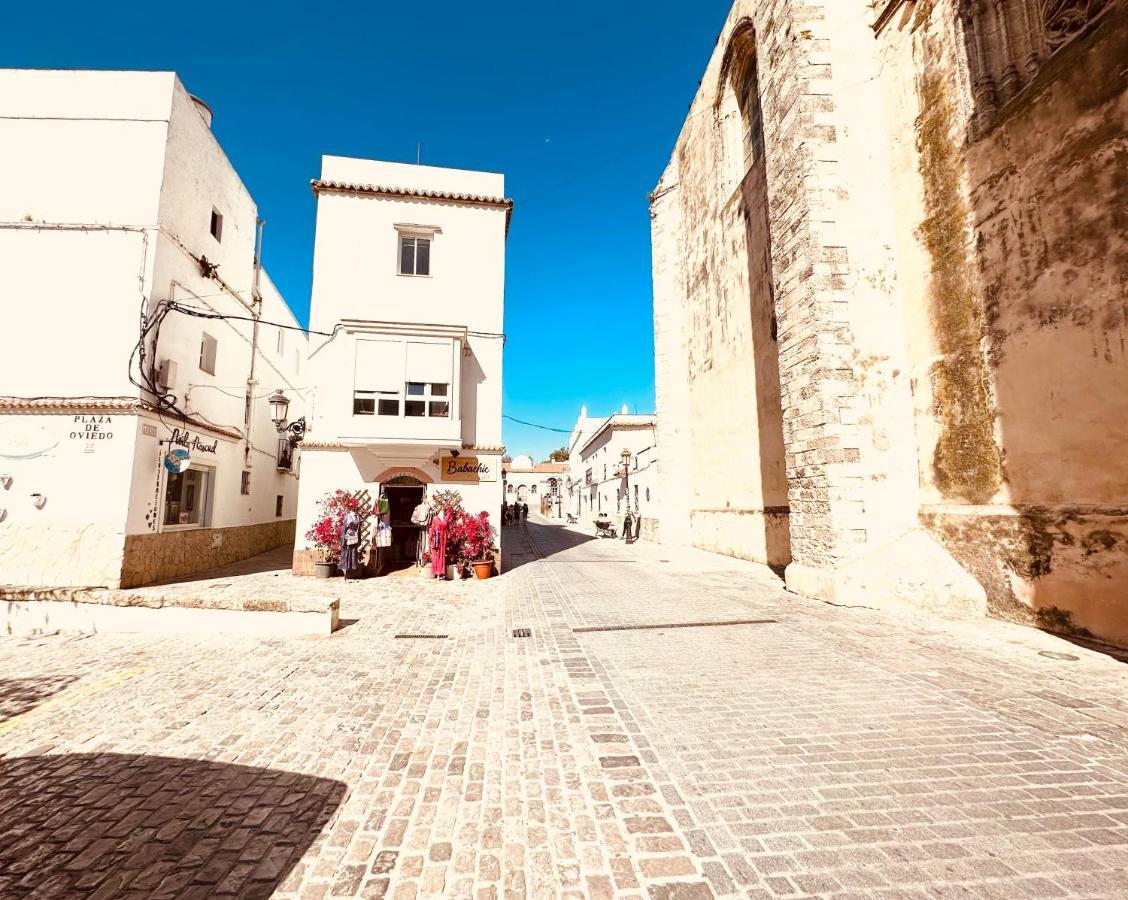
(186, 440)
(177, 460)
(466, 469)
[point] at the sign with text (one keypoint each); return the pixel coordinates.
(189, 441)
(467, 469)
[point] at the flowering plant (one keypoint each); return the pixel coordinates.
(325, 535)
(469, 539)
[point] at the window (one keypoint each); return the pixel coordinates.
(378, 378)
(217, 224)
(297, 361)
(426, 398)
(509, 489)
(245, 483)
(187, 498)
(636, 496)
(208, 347)
(281, 342)
(415, 255)
(532, 488)
(278, 506)
(753, 119)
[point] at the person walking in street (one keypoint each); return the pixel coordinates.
(524, 513)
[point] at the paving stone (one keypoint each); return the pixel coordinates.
(836, 752)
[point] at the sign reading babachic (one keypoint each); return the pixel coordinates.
(467, 469)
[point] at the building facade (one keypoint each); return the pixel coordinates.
(129, 243)
(541, 485)
(408, 289)
(888, 281)
(597, 481)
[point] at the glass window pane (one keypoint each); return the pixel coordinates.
(363, 404)
(414, 408)
(407, 256)
(415, 389)
(423, 256)
(438, 390)
(173, 490)
(439, 409)
(388, 407)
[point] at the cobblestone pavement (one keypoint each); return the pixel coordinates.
(674, 726)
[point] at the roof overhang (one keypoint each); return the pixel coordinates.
(395, 193)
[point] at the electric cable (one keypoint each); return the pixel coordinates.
(535, 425)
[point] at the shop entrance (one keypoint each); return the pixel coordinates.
(404, 493)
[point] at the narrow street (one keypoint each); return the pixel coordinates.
(674, 725)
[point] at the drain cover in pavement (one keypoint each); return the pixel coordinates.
(522, 632)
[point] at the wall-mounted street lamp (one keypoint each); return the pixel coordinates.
(279, 408)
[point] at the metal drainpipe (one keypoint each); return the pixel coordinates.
(256, 313)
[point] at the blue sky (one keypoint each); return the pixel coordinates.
(578, 104)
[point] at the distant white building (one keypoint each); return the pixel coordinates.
(409, 275)
(600, 479)
(116, 200)
(541, 485)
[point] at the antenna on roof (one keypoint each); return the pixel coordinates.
(418, 151)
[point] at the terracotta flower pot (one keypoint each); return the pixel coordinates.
(483, 569)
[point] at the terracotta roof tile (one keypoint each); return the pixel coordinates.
(385, 191)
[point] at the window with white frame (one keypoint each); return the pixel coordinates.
(378, 378)
(187, 499)
(216, 226)
(280, 343)
(208, 348)
(404, 378)
(427, 398)
(429, 372)
(414, 254)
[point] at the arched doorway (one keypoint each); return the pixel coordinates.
(404, 493)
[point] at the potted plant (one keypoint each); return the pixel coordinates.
(325, 536)
(477, 544)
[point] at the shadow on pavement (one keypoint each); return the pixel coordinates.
(20, 695)
(110, 825)
(523, 544)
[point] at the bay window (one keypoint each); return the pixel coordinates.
(404, 378)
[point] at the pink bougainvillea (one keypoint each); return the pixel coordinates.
(325, 535)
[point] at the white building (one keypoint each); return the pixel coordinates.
(115, 201)
(540, 485)
(409, 275)
(597, 481)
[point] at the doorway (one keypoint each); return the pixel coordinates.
(404, 493)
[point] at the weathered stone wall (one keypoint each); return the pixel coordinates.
(170, 554)
(798, 394)
(61, 554)
(1012, 259)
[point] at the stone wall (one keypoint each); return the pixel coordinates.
(58, 554)
(649, 529)
(167, 555)
(1014, 195)
(798, 414)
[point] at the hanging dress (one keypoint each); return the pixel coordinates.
(350, 543)
(437, 540)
